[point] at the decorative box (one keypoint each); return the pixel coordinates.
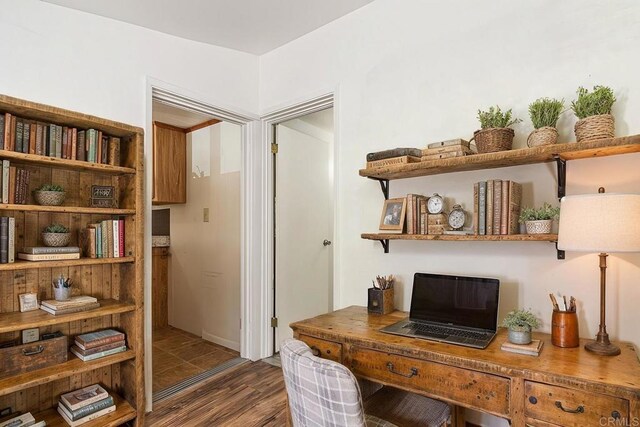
(380, 301)
(34, 355)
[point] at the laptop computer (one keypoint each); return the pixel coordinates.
(452, 309)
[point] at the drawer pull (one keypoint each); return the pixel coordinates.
(578, 410)
(533, 400)
(315, 351)
(30, 352)
(615, 415)
(414, 371)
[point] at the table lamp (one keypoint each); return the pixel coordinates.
(602, 223)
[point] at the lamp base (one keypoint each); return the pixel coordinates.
(602, 349)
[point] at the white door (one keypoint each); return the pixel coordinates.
(303, 229)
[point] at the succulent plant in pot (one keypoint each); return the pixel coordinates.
(520, 323)
(538, 221)
(544, 113)
(49, 195)
(56, 235)
(594, 111)
(495, 133)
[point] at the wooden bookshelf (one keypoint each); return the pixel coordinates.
(116, 282)
(463, 238)
(123, 413)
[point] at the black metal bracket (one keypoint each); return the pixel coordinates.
(560, 252)
(562, 175)
(384, 186)
(385, 245)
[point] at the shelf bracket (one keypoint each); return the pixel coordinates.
(562, 175)
(560, 252)
(385, 245)
(384, 186)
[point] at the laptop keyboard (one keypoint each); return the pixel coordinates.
(444, 332)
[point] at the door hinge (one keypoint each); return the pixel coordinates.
(274, 148)
(274, 322)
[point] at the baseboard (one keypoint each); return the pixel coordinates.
(233, 345)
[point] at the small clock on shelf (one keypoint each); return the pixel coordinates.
(435, 204)
(457, 218)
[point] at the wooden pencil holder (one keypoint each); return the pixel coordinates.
(564, 329)
(380, 301)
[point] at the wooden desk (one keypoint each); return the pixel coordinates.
(568, 387)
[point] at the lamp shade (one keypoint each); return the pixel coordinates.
(604, 222)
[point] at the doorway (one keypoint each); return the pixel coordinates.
(303, 219)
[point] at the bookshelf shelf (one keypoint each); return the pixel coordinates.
(73, 366)
(54, 162)
(67, 209)
(123, 413)
(27, 265)
(16, 321)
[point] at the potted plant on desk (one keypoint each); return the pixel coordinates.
(538, 221)
(520, 323)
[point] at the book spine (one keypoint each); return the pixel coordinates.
(105, 149)
(84, 345)
(105, 347)
(104, 235)
(91, 243)
(81, 151)
(110, 244)
(121, 236)
(18, 186)
(504, 215)
(114, 151)
(2, 130)
(74, 143)
(40, 250)
(51, 141)
(12, 184)
(39, 135)
(116, 239)
(25, 136)
(475, 208)
(462, 142)
(25, 186)
(91, 408)
(19, 132)
(65, 142)
(4, 240)
(48, 257)
(91, 145)
(515, 197)
(32, 138)
(497, 205)
(489, 214)
(98, 152)
(98, 241)
(5, 181)
(12, 136)
(59, 141)
(482, 207)
(12, 240)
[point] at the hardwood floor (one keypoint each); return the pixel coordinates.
(250, 395)
(178, 355)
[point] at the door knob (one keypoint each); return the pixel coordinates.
(326, 242)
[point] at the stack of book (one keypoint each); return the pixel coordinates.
(47, 253)
(86, 404)
(48, 139)
(7, 239)
(416, 216)
(73, 305)
(104, 239)
(96, 345)
(23, 420)
(396, 156)
(496, 207)
(447, 149)
(15, 184)
(532, 349)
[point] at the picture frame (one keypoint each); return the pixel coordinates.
(28, 302)
(393, 214)
(103, 196)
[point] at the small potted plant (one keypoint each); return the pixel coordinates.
(544, 113)
(495, 133)
(594, 111)
(56, 235)
(520, 323)
(49, 195)
(538, 221)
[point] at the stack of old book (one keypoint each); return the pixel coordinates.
(7, 239)
(15, 184)
(447, 149)
(396, 156)
(46, 253)
(23, 420)
(86, 404)
(96, 345)
(496, 207)
(532, 349)
(73, 305)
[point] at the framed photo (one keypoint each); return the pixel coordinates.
(28, 302)
(30, 335)
(393, 213)
(103, 196)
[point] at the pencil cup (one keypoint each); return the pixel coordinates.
(564, 329)
(380, 301)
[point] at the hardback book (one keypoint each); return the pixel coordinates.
(104, 232)
(12, 136)
(39, 139)
(482, 207)
(515, 198)
(4, 240)
(532, 349)
(449, 142)
(47, 257)
(74, 144)
(32, 138)
(6, 131)
(2, 117)
(12, 184)
(450, 154)
(90, 249)
(12, 240)
(409, 214)
(5, 181)
(51, 141)
(74, 350)
(76, 399)
(475, 207)
(105, 149)
(121, 235)
(490, 207)
(101, 348)
(91, 145)
(59, 141)
(81, 150)
(78, 309)
(110, 239)
(497, 205)
(88, 418)
(98, 152)
(116, 239)
(65, 142)
(19, 132)
(447, 149)
(86, 410)
(17, 186)
(26, 134)
(98, 338)
(73, 302)
(114, 151)
(50, 250)
(19, 421)
(396, 152)
(504, 213)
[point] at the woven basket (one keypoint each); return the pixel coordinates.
(56, 239)
(49, 198)
(595, 127)
(542, 226)
(493, 139)
(544, 136)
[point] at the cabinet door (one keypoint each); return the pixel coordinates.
(169, 165)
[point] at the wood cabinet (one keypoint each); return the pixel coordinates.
(116, 282)
(160, 284)
(169, 164)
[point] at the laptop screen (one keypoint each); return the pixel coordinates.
(455, 300)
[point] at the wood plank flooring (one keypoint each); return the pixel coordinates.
(179, 355)
(251, 395)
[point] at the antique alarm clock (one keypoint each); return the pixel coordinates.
(436, 217)
(457, 217)
(435, 204)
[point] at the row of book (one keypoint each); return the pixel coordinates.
(15, 184)
(416, 217)
(99, 344)
(74, 305)
(7, 239)
(22, 420)
(104, 239)
(86, 404)
(48, 139)
(496, 207)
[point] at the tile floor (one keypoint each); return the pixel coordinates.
(178, 355)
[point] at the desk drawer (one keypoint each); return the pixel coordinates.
(323, 348)
(470, 388)
(568, 407)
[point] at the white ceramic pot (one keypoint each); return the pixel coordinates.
(519, 337)
(542, 226)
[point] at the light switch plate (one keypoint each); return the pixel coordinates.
(205, 215)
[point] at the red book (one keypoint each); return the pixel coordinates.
(121, 236)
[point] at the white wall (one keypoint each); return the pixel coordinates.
(204, 284)
(407, 73)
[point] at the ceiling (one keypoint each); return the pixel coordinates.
(178, 117)
(252, 26)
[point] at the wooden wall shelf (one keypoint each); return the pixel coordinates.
(28, 265)
(123, 413)
(463, 238)
(67, 209)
